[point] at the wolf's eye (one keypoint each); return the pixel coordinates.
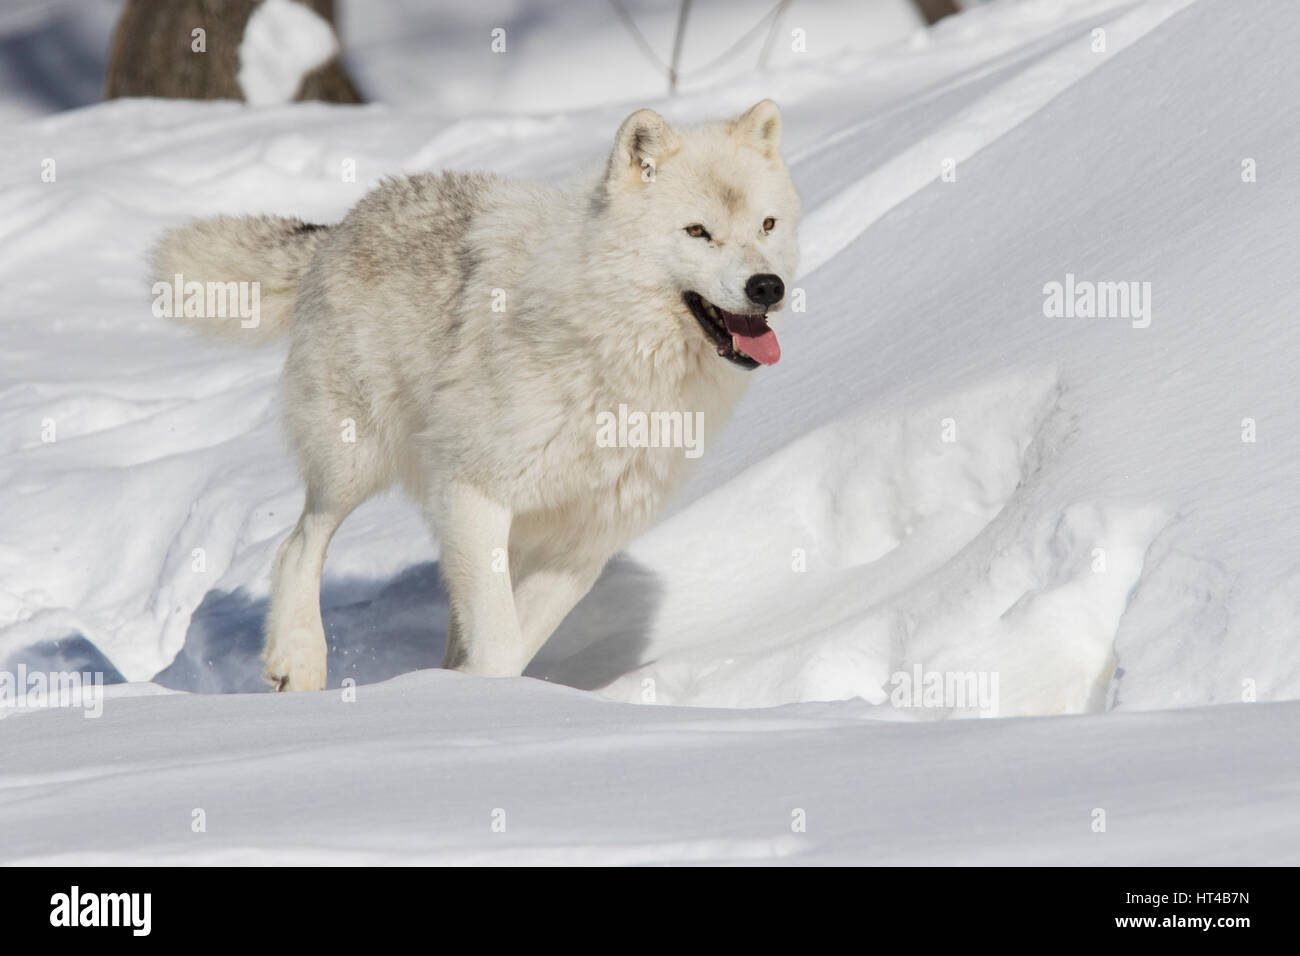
(697, 231)
(769, 224)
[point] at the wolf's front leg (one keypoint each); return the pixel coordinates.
(545, 596)
(483, 637)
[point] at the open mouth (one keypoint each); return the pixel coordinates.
(743, 340)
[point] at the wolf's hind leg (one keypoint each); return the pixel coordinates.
(483, 636)
(295, 652)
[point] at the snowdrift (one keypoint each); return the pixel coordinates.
(1094, 508)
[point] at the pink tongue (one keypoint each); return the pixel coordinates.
(752, 336)
(763, 349)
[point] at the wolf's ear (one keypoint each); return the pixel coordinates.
(643, 142)
(759, 127)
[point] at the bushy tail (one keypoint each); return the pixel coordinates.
(247, 271)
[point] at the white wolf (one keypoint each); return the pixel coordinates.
(473, 328)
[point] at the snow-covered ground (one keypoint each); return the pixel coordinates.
(1085, 516)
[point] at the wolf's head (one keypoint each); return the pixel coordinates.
(713, 214)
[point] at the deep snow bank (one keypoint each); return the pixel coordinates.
(949, 478)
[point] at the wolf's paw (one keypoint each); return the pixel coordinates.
(298, 664)
(282, 677)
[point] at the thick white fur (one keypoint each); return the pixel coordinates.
(488, 418)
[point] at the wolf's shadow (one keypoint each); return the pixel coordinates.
(377, 630)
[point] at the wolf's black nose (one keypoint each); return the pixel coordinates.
(764, 288)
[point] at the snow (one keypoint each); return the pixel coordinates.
(420, 768)
(582, 55)
(282, 42)
(438, 54)
(951, 483)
